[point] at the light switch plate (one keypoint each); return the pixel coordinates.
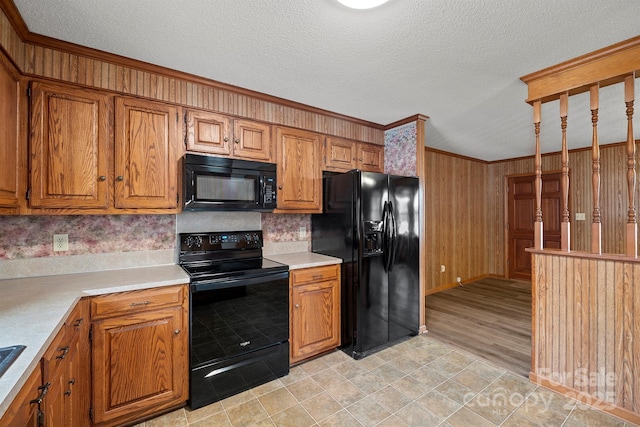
(580, 216)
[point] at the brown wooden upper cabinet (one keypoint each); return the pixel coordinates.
(145, 154)
(299, 171)
(83, 159)
(214, 133)
(342, 155)
(69, 147)
(9, 131)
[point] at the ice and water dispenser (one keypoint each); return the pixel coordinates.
(372, 237)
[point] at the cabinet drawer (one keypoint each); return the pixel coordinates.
(133, 301)
(314, 274)
(58, 350)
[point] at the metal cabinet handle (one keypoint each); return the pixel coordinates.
(119, 178)
(102, 178)
(297, 306)
(78, 322)
(64, 351)
(237, 141)
(225, 139)
(176, 332)
(279, 187)
(67, 393)
(72, 381)
(43, 392)
(135, 304)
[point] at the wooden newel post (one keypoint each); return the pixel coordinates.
(538, 229)
(632, 226)
(596, 226)
(565, 226)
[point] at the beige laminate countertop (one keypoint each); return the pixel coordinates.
(297, 260)
(32, 311)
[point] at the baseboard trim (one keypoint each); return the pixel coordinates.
(455, 284)
(585, 398)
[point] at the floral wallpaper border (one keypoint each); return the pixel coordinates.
(400, 150)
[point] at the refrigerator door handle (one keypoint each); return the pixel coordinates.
(392, 238)
(385, 236)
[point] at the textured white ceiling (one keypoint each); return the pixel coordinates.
(457, 61)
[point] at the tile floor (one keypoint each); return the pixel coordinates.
(419, 382)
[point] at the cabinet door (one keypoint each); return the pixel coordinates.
(208, 132)
(9, 131)
(339, 154)
(22, 412)
(315, 319)
(145, 159)
(371, 157)
(140, 364)
(299, 171)
(252, 140)
(69, 148)
(54, 401)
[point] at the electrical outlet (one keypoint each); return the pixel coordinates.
(303, 232)
(443, 268)
(581, 216)
(60, 242)
(459, 280)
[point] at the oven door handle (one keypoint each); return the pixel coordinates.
(208, 285)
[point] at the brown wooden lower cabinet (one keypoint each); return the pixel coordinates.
(56, 392)
(140, 353)
(65, 366)
(140, 366)
(23, 411)
(315, 311)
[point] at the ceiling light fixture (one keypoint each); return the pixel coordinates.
(362, 4)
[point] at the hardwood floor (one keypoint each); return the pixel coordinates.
(490, 318)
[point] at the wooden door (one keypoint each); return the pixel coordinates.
(340, 154)
(521, 214)
(252, 140)
(140, 364)
(299, 171)
(69, 149)
(9, 131)
(208, 132)
(146, 163)
(371, 157)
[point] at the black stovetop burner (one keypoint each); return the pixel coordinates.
(206, 256)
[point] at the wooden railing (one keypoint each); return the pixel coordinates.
(612, 65)
(585, 304)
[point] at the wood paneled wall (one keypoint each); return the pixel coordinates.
(586, 320)
(53, 59)
(613, 199)
(456, 219)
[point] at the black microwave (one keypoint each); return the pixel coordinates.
(223, 184)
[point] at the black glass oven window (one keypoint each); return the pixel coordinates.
(226, 188)
(231, 321)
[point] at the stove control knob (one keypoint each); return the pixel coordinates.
(194, 241)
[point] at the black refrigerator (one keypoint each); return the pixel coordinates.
(371, 221)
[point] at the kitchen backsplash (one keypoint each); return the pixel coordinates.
(31, 236)
(400, 150)
(103, 242)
